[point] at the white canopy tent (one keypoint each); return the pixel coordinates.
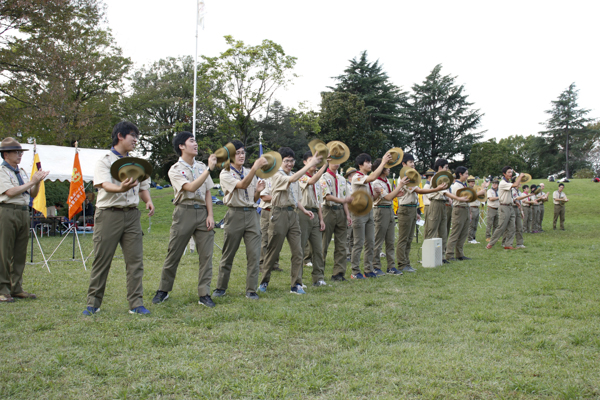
(59, 161)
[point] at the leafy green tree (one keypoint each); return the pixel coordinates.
(441, 120)
(567, 122)
(488, 158)
(384, 101)
(62, 72)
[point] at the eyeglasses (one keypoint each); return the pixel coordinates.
(290, 161)
(240, 153)
(19, 152)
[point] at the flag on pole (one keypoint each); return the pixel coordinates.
(76, 190)
(201, 13)
(39, 203)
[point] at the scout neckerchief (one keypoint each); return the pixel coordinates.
(370, 188)
(335, 180)
(314, 189)
(386, 182)
(241, 174)
(15, 170)
(291, 188)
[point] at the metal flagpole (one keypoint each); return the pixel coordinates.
(196, 70)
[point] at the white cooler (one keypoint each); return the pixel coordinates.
(432, 253)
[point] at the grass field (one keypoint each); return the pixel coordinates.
(507, 324)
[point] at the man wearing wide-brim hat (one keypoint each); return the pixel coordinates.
(428, 175)
(493, 203)
(460, 216)
(408, 201)
(117, 221)
(15, 192)
(473, 213)
(348, 175)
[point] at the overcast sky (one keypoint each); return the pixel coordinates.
(513, 57)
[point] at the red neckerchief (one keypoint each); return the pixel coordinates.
(370, 188)
(386, 182)
(314, 188)
(335, 180)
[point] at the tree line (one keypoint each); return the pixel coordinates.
(64, 79)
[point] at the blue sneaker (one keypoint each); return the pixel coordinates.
(393, 271)
(370, 275)
(297, 290)
(89, 311)
(379, 272)
(263, 287)
(139, 310)
(357, 276)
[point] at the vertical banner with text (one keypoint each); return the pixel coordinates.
(39, 203)
(76, 190)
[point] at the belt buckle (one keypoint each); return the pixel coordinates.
(197, 206)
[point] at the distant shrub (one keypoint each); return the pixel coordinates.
(56, 192)
(584, 173)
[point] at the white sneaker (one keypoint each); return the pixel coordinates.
(381, 255)
(521, 247)
(309, 264)
(303, 286)
(320, 283)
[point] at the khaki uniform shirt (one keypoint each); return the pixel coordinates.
(130, 198)
(265, 192)
(8, 180)
(409, 196)
(493, 203)
(426, 200)
(530, 198)
(310, 196)
(182, 173)
(358, 183)
(516, 193)
(237, 197)
(455, 188)
(504, 192)
(328, 186)
(558, 195)
(285, 194)
(386, 188)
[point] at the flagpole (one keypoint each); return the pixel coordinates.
(196, 69)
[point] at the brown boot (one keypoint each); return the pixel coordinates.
(6, 298)
(25, 295)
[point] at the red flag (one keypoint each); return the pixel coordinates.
(76, 191)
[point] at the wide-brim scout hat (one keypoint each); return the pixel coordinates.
(273, 165)
(442, 177)
(471, 178)
(397, 156)
(412, 174)
(526, 177)
(224, 154)
(135, 168)
(536, 189)
(349, 171)
(11, 144)
(338, 152)
(319, 148)
(467, 191)
(429, 172)
(496, 180)
(482, 198)
(361, 204)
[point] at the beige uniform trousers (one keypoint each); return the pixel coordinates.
(241, 223)
(265, 218)
(284, 224)
(518, 230)
(407, 219)
(493, 217)
(363, 228)
(448, 218)
(336, 226)
(113, 227)
(559, 211)
(188, 222)
(312, 239)
(506, 226)
(527, 219)
(14, 234)
(536, 218)
(474, 211)
(459, 233)
(385, 228)
(424, 216)
(349, 239)
(436, 224)
(542, 216)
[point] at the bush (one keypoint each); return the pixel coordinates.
(584, 173)
(56, 192)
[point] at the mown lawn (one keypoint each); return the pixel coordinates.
(507, 324)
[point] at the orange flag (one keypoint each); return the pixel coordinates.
(76, 191)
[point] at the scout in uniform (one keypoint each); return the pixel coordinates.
(460, 217)
(426, 202)
(493, 203)
(506, 224)
(350, 172)
(526, 205)
(543, 198)
(192, 217)
(284, 220)
(242, 190)
(336, 216)
(265, 217)
(473, 214)
(535, 208)
(383, 215)
(16, 190)
(559, 199)
(117, 221)
(311, 226)
(364, 226)
(408, 201)
(518, 196)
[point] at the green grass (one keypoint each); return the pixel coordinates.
(508, 324)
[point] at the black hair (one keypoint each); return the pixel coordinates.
(407, 158)
(459, 171)
(286, 152)
(505, 169)
(440, 163)
(179, 139)
(124, 128)
(360, 160)
(237, 144)
(525, 187)
(561, 184)
(307, 155)
(376, 163)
